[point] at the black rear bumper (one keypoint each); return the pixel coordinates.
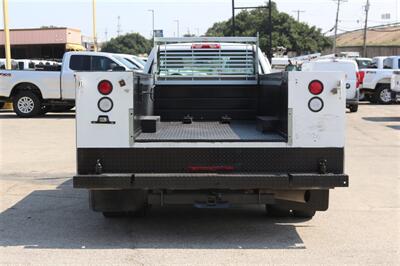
(199, 181)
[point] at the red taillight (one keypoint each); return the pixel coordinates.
(316, 87)
(360, 78)
(105, 87)
(206, 46)
(218, 168)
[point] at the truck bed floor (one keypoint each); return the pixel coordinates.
(209, 131)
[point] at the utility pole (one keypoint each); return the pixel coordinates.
(365, 29)
(268, 27)
(119, 27)
(7, 35)
(152, 23)
(177, 27)
(298, 14)
(233, 18)
(94, 26)
(337, 22)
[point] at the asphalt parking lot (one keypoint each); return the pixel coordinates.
(43, 220)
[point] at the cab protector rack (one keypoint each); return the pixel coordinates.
(210, 60)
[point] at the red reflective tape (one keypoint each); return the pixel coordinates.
(211, 168)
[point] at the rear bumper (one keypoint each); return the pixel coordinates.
(199, 181)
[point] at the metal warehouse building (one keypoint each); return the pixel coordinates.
(42, 43)
(381, 41)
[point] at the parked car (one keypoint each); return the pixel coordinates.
(347, 66)
(376, 85)
(36, 92)
(395, 83)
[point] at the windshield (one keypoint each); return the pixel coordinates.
(363, 63)
(139, 61)
(137, 64)
(125, 62)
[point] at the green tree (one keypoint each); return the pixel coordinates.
(131, 43)
(295, 36)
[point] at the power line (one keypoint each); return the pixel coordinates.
(337, 22)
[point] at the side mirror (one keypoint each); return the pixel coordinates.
(118, 68)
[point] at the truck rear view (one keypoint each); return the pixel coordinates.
(207, 125)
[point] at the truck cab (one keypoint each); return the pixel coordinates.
(207, 124)
(377, 80)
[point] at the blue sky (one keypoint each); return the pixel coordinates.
(194, 15)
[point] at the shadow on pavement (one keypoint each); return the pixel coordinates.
(382, 119)
(12, 115)
(394, 127)
(61, 218)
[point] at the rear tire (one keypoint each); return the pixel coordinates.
(27, 104)
(353, 108)
(382, 95)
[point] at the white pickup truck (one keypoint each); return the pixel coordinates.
(377, 80)
(35, 92)
(207, 124)
(395, 82)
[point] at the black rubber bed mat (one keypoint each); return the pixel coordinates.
(209, 131)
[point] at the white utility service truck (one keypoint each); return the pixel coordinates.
(35, 92)
(377, 80)
(207, 124)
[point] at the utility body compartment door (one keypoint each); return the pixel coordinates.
(92, 131)
(317, 120)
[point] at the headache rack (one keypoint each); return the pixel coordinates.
(206, 60)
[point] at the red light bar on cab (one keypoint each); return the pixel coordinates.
(206, 46)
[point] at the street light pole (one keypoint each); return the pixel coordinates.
(177, 27)
(152, 23)
(94, 26)
(6, 35)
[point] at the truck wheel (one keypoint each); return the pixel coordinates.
(383, 95)
(353, 108)
(304, 213)
(27, 104)
(276, 211)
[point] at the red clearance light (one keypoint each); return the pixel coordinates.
(360, 78)
(316, 87)
(206, 46)
(211, 168)
(105, 87)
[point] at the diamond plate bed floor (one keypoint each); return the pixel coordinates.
(209, 131)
